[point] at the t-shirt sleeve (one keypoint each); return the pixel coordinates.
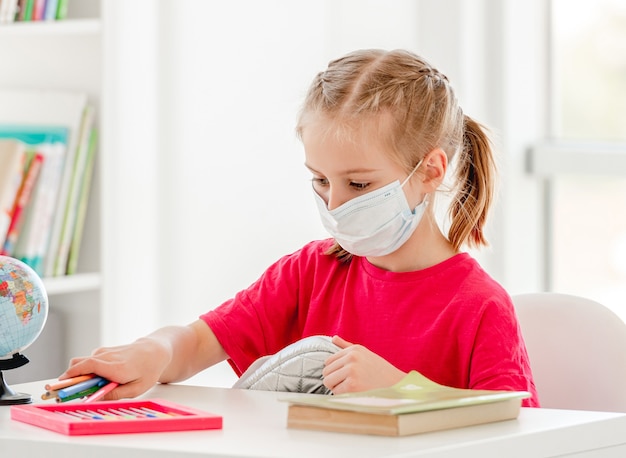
(263, 318)
(500, 360)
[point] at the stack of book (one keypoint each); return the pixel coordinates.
(47, 150)
(414, 405)
(32, 10)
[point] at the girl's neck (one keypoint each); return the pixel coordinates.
(426, 247)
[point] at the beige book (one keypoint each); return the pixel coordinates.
(414, 405)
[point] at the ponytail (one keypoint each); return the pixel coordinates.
(476, 172)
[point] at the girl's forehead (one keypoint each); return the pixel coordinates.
(339, 141)
(340, 155)
(347, 132)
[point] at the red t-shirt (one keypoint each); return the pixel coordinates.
(451, 322)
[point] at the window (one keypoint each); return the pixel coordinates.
(585, 162)
(589, 71)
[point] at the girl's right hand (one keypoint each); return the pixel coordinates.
(137, 367)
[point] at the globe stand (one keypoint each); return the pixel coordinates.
(7, 395)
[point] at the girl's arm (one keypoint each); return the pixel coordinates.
(170, 354)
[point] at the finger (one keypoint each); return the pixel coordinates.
(340, 342)
(79, 366)
(337, 389)
(333, 359)
(71, 370)
(102, 350)
(129, 390)
(332, 364)
(332, 379)
(340, 381)
(76, 360)
(90, 366)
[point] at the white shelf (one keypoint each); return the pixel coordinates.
(72, 283)
(65, 27)
(65, 55)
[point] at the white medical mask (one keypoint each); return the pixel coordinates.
(374, 224)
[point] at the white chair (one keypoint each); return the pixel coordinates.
(577, 351)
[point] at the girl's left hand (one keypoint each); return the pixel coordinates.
(355, 368)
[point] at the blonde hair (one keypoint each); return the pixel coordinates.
(414, 104)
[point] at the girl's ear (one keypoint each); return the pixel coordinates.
(434, 169)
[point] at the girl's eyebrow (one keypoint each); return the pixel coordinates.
(310, 168)
(360, 170)
(346, 172)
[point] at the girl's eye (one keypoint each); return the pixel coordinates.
(319, 181)
(359, 186)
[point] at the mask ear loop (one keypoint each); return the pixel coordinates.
(425, 199)
(412, 172)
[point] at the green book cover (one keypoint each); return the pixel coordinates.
(414, 393)
(82, 204)
(62, 9)
(59, 257)
(27, 14)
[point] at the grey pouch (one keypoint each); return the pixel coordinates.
(296, 368)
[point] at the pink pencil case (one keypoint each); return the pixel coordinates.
(116, 417)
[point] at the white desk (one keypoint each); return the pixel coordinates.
(254, 426)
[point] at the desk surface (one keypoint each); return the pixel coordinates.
(255, 426)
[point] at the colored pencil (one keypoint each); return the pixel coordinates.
(80, 394)
(50, 395)
(102, 391)
(81, 386)
(68, 382)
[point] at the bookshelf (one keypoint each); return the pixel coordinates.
(63, 55)
(111, 50)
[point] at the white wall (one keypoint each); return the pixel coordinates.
(235, 193)
(494, 53)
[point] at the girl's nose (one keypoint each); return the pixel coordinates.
(334, 199)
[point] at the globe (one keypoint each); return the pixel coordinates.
(23, 314)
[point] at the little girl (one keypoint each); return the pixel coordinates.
(380, 130)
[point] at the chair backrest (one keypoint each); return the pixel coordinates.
(577, 351)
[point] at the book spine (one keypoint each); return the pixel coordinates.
(13, 11)
(72, 262)
(38, 10)
(27, 13)
(46, 219)
(32, 242)
(21, 203)
(69, 223)
(5, 6)
(61, 9)
(14, 174)
(50, 13)
(58, 220)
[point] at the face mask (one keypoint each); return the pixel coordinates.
(374, 224)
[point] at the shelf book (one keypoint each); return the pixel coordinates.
(48, 143)
(81, 168)
(32, 167)
(12, 157)
(414, 405)
(32, 10)
(83, 199)
(38, 110)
